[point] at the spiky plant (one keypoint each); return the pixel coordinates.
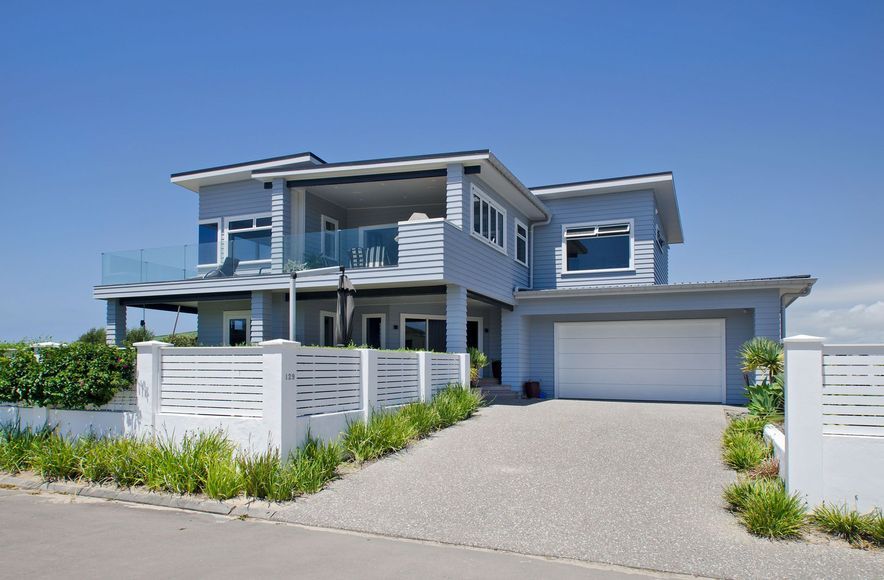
(764, 354)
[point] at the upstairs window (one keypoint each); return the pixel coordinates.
(661, 241)
(521, 243)
(248, 238)
(489, 220)
(329, 242)
(207, 250)
(594, 248)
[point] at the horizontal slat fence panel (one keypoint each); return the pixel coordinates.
(328, 380)
(444, 371)
(226, 382)
(853, 390)
(398, 380)
(125, 400)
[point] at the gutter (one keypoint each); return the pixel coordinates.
(792, 297)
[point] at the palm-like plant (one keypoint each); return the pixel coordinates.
(764, 354)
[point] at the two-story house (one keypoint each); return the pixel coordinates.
(566, 284)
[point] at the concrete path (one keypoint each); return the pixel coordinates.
(633, 484)
(45, 535)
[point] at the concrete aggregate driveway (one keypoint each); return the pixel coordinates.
(632, 484)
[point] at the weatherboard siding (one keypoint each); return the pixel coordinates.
(638, 206)
(234, 199)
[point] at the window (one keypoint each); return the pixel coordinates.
(248, 239)
(521, 243)
(207, 251)
(326, 328)
(488, 220)
(429, 332)
(329, 242)
(373, 331)
(661, 241)
(236, 328)
(599, 247)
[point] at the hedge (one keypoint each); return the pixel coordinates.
(73, 376)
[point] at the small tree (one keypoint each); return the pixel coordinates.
(762, 353)
(478, 361)
(140, 334)
(94, 336)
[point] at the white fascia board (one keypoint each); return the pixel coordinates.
(381, 167)
(788, 285)
(607, 186)
(192, 180)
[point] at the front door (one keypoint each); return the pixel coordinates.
(236, 328)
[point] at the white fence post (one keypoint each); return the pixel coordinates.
(369, 381)
(464, 370)
(804, 416)
(425, 379)
(280, 412)
(148, 375)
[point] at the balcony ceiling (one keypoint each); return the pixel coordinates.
(429, 190)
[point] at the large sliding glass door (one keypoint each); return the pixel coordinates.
(429, 333)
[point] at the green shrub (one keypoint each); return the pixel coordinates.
(93, 456)
(478, 361)
(771, 512)
(422, 416)
(138, 334)
(744, 424)
(182, 467)
(94, 336)
(17, 445)
(743, 451)
(761, 353)
(840, 521)
(55, 458)
(260, 473)
(20, 376)
(737, 494)
(873, 527)
(80, 374)
(128, 460)
(766, 400)
(455, 404)
(222, 479)
(185, 339)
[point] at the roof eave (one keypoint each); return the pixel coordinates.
(798, 285)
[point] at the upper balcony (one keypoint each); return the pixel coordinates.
(373, 246)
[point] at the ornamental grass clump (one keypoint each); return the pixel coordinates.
(259, 472)
(745, 451)
(771, 512)
(17, 445)
(422, 416)
(455, 404)
(55, 458)
(858, 529)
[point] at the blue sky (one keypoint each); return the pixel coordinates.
(770, 115)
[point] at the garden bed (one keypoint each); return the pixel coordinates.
(208, 464)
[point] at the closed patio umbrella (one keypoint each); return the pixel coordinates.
(346, 305)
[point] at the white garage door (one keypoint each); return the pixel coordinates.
(648, 360)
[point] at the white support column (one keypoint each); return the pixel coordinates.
(456, 211)
(262, 308)
(280, 410)
(424, 368)
(456, 318)
(804, 416)
(281, 210)
(115, 326)
(465, 370)
(148, 375)
(369, 381)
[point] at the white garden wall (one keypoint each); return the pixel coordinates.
(834, 449)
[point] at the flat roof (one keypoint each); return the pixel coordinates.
(384, 160)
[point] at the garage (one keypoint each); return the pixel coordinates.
(642, 360)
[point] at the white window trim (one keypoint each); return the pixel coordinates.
(516, 224)
(403, 316)
(383, 318)
(253, 216)
(218, 242)
(230, 314)
(475, 191)
(323, 314)
(630, 268)
(322, 220)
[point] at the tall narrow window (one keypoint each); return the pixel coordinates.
(489, 220)
(326, 329)
(521, 243)
(208, 244)
(330, 237)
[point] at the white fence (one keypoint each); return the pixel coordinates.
(267, 395)
(834, 449)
